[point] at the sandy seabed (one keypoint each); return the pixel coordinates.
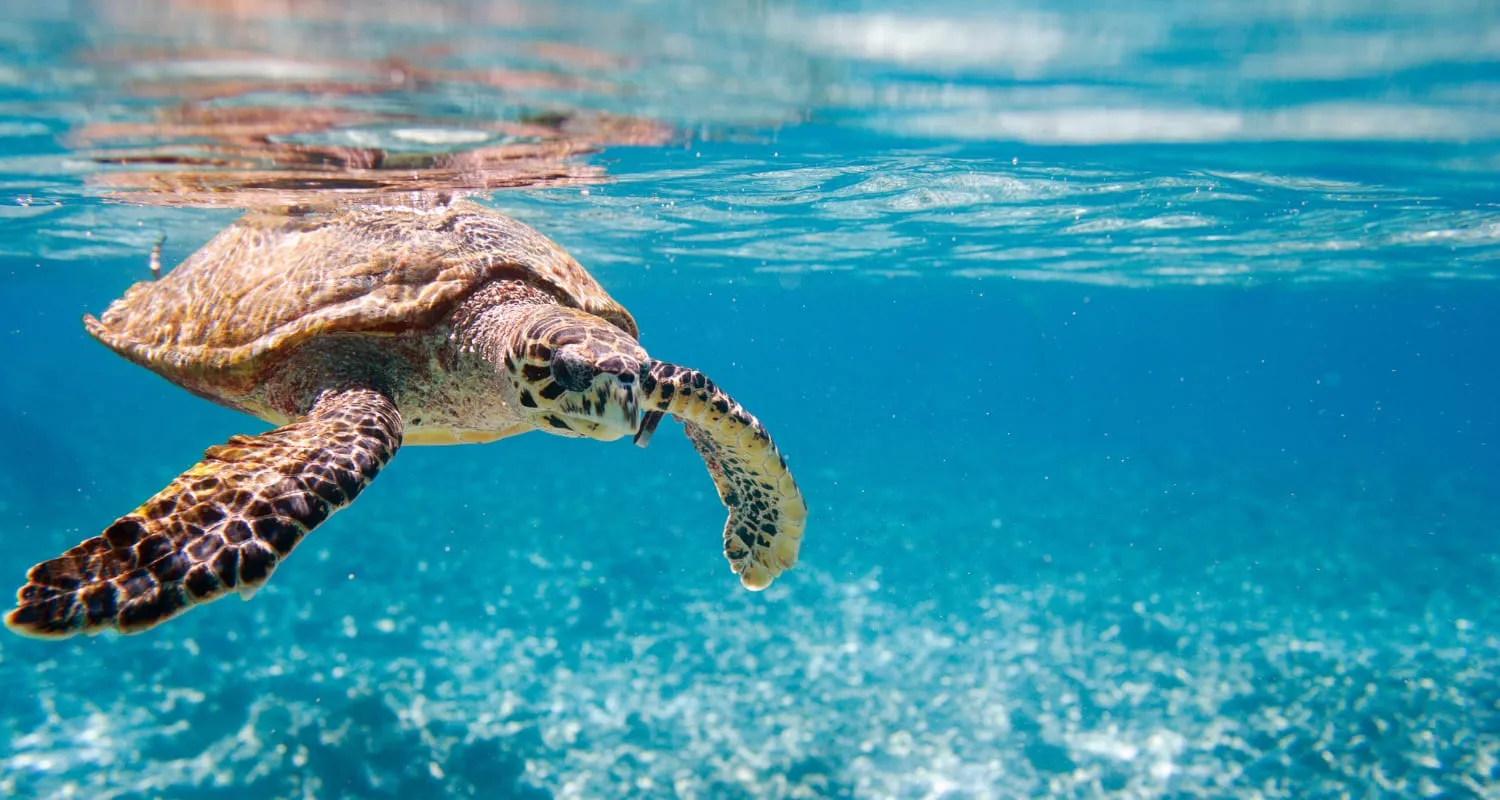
(1118, 633)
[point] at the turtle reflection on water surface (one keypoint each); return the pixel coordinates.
(356, 331)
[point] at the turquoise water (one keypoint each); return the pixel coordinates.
(1137, 363)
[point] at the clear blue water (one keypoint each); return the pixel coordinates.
(1137, 363)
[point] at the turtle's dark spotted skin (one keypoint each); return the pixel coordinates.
(766, 511)
(220, 527)
(358, 331)
(572, 371)
(566, 369)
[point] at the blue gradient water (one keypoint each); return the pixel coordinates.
(1138, 366)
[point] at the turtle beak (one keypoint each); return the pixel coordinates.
(608, 410)
(649, 421)
(632, 408)
(625, 410)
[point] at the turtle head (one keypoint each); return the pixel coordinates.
(575, 374)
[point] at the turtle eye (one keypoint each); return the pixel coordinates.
(572, 370)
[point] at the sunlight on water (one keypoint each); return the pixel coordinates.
(232, 106)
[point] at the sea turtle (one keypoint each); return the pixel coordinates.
(356, 331)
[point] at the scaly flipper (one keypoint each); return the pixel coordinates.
(766, 510)
(221, 526)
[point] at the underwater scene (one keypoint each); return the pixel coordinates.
(1105, 398)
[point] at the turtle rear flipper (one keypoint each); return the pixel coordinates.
(766, 511)
(221, 526)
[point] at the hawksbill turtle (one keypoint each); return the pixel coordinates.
(356, 331)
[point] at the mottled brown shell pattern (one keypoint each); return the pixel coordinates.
(272, 281)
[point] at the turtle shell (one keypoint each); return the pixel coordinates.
(272, 281)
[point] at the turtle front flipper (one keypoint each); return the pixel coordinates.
(766, 511)
(221, 526)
